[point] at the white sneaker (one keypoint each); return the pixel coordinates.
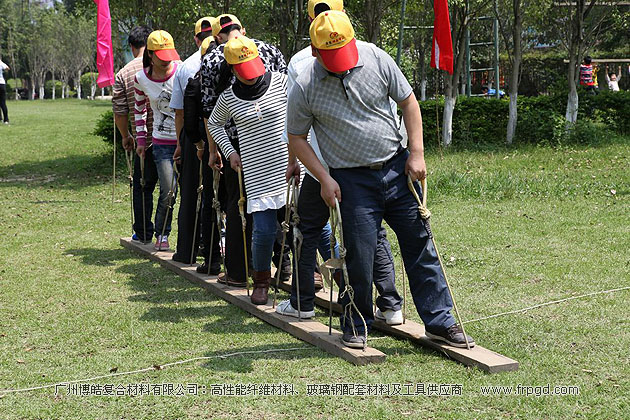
(390, 316)
(285, 308)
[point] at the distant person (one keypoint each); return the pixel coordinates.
(154, 85)
(3, 93)
(123, 100)
(613, 79)
(586, 76)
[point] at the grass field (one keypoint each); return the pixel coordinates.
(516, 226)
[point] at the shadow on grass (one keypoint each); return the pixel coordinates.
(70, 172)
(159, 287)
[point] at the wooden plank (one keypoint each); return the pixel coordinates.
(606, 60)
(484, 359)
(311, 331)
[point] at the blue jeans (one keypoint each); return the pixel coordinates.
(368, 197)
(263, 238)
(163, 157)
(314, 214)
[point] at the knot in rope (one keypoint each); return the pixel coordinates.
(200, 189)
(285, 227)
(424, 212)
(342, 252)
(295, 219)
(216, 204)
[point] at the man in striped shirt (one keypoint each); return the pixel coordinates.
(123, 101)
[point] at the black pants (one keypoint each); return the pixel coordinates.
(3, 102)
(188, 184)
(314, 214)
(150, 181)
(208, 216)
(234, 259)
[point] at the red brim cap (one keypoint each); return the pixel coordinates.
(250, 69)
(167, 55)
(341, 59)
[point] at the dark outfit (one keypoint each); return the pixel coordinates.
(194, 132)
(3, 102)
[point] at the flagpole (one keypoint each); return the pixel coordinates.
(401, 30)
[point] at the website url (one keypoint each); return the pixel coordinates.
(531, 391)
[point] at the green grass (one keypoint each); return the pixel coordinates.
(516, 227)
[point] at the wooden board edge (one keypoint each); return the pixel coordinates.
(330, 344)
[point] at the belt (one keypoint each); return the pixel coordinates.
(381, 165)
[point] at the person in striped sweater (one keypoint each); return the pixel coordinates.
(154, 85)
(257, 104)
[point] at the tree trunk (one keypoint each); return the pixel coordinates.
(447, 120)
(572, 100)
(92, 90)
(77, 83)
(32, 89)
(53, 85)
(516, 71)
(423, 88)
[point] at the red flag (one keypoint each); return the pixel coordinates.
(104, 49)
(442, 50)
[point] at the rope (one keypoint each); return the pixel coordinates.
(197, 209)
(336, 223)
(425, 214)
(144, 212)
(297, 243)
(553, 302)
(216, 205)
(153, 368)
(241, 211)
(285, 230)
(128, 158)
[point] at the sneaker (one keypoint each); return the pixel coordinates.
(161, 243)
(6, 122)
(215, 269)
(285, 308)
(453, 336)
(135, 237)
(390, 316)
(353, 341)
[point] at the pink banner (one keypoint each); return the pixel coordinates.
(104, 48)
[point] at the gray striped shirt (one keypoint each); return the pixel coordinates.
(352, 116)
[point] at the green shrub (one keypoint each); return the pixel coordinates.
(105, 130)
(478, 121)
(87, 80)
(48, 89)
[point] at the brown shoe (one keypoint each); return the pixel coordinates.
(262, 279)
(318, 281)
(225, 279)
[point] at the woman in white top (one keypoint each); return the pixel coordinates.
(154, 84)
(3, 94)
(257, 102)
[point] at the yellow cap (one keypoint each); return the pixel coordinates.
(332, 4)
(216, 25)
(162, 43)
(199, 29)
(242, 53)
(332, 34)
(205, 44)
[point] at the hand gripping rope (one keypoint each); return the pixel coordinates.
(216, 206)
(340, 263)
(285, 230)
(241, 210)
(425, 214)
(197, 208)
(169, 207)
(129, 158)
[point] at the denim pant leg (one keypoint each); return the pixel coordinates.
(426, 281)
(150, 181)
(362, 207)
(313, 213)
(263, 238)
(163, 156)
(385, 275)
